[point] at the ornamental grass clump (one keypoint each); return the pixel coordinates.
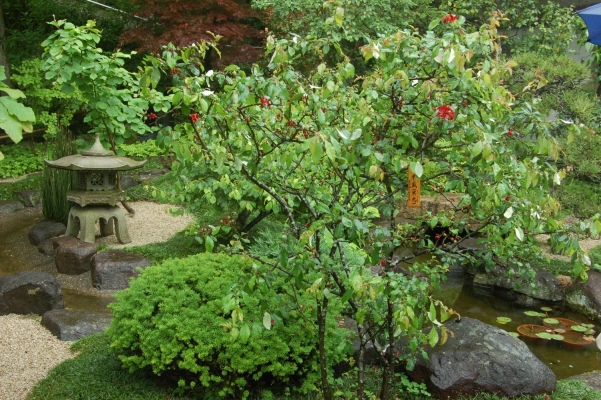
(176, 320)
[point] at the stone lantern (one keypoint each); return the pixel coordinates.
(96, 195)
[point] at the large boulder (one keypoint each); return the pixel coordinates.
(113, 269)
(29, 292)
(10, 206)
(479, 357)
(544, 287)
(45, 230)
(585, 297)
(73, 257)
(75, 324)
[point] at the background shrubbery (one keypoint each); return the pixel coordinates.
(172, 320)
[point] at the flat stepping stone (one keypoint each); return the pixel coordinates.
(73, 257)
(45, 230)
(71, 325)
(30, 292)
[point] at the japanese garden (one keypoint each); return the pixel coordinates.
(273, 199)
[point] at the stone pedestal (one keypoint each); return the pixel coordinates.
(83, 220)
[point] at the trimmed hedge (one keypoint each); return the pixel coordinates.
(172, 320)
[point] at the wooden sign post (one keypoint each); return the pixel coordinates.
(414, 191)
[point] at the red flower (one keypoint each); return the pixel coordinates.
(447, 19)
(264, 101)
(174, 71)
(445, 112)
(509, 131)
(382, 262)
(152, 116)
(507, 198)
(194, 117)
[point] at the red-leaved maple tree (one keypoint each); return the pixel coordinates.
(183, 22)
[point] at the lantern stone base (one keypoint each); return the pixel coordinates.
(85, 198)
(82, 222)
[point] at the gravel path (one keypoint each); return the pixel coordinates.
(28, 351)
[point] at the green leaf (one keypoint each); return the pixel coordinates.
(209, 244)
(503, 320)
(477, 149)
(433, 338)
(519, 233)
(267, 321)
(316, 149)
(551, 321)
(534, 314)
(417, 169)
(339, 16)
(18, 110)
(235, 332)
(13, 93)
(347, 295)
(244, 333)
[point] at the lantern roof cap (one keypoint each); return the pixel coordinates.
(96, 158)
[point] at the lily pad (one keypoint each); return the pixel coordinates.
(546, 308)
(534, 314)
(515, 334)
(579, 328)
(547, 335)
(551, 321)
(503, 320)
(559, 330)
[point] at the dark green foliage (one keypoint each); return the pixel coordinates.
(172, 320)
(20, 160)
(579, 198)
(53, 107)
(552, 80)
(26, 24)
(8, 189)
(57, 182)
(141, 149)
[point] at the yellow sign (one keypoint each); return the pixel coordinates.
(414, 191)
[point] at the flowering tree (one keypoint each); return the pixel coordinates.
(330, 153)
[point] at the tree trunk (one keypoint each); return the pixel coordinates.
(322, 312)
(3, 57)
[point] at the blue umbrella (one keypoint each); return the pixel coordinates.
(592, 18)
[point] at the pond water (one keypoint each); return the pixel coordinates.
(481, 304)
(18, 255)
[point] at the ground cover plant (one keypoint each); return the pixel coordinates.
(22, 160)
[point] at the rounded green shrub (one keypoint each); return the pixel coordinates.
(172, 320)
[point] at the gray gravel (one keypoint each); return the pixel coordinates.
(28, 351)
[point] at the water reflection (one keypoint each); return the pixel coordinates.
(478, 303)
